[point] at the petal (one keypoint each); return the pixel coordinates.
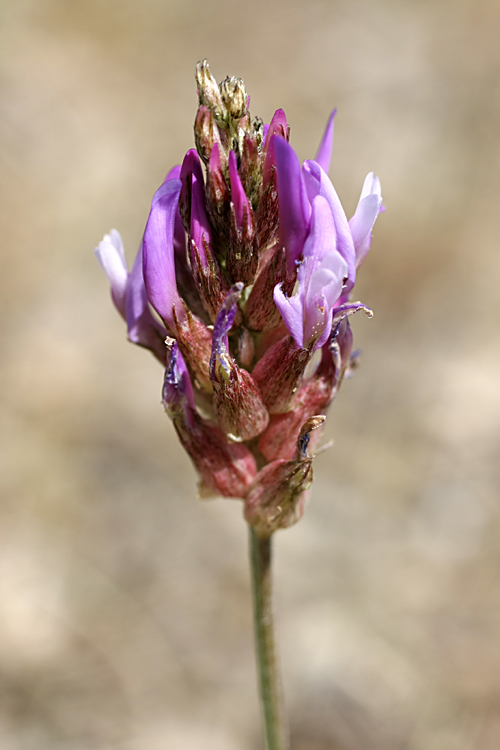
(361, 224)
(111, 256)
(174, 174)
(371, 186)
(324, 154)
(200, 232)
(294, 205)
(158, 251)
(142, 327)
(277, 126)
(322, 237)
(238, 196)
(292, 313)
(325, 278)
(224, 321)
(190, 165)
(177, 388)
(318, 183)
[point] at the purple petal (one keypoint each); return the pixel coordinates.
(177, 388)
(158, 251)
(292, 313)
(111, 256)
(238, 196)
(324, 154)
(318, 183)
(200, 232)
(190, 165)
(174, 174)
(224, 321)
(142, 327)
(361, 224)
(294, 205)
(323, 275)
(278, 126)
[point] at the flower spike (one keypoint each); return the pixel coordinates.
(249, 261)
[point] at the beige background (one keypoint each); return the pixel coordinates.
(124, 602)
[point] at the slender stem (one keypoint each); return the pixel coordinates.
(275, 730)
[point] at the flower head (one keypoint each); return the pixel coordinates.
(244, 272)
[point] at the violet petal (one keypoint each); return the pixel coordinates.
(111, 256)
(324, 154)
(318, 183)
(158, 251)
(361, 224)
(142, 328)
(294, 205)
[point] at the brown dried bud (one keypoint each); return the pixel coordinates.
(276, 498)
(207, 134)
(208, 91)
(234, 97)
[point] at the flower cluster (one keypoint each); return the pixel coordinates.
(245, 271)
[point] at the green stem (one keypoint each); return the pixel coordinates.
(275, 731)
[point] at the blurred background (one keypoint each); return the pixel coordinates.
(125, 619)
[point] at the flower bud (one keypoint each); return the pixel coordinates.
(208, 91)
(251, 163)
(279, 372)
(207, 274)
(261, 313)
(276, 498)
(225, 468)
(238, 405)
(207, 134)
(218, 200)
(234, 97)
(195, 343)
(242, 256)
(279, 439)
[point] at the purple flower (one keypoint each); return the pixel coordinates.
(318, 239)
(249, 261)
(129, 295)
(321, 274)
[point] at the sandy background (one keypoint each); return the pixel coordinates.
(124, 601)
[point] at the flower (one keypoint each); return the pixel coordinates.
(245, 270)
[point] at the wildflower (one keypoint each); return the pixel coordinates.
(245, 271)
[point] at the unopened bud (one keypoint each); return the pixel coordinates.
(276, 498)
(206, 133)
(234, 97)
(208, 91)
(261, 313)
(280, 438)
(239, 407)
(242, 256)
(279, 373)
